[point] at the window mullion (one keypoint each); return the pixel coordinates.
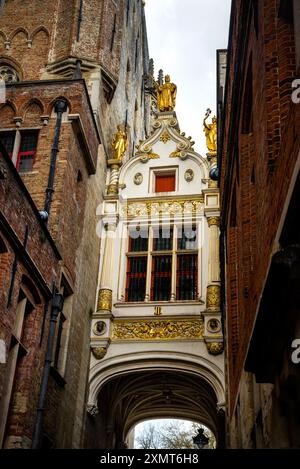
(149, 265)
(16, 150)
(174, 264)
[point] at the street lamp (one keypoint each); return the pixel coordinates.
(200, 440)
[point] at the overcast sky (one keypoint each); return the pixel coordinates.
(183, 38)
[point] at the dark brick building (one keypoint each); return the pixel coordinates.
(259, 150)
(73, 71)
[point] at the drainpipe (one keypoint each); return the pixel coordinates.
(80, 17)
(57, 307)
(60, 107)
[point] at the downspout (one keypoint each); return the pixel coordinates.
(57, 306)
(80, 17)
(60, 107)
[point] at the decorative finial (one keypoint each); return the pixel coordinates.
(210, 131)
(166, 94)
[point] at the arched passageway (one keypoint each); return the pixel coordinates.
(131, 398)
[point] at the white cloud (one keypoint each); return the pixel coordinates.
(183, 38)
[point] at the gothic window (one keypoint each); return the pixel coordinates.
(8, 74)
(21, 147)
(162, 264)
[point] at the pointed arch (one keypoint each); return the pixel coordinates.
(3, 36)
(33, 101)
(39, 30)
(7, 114)
(50, 108)
(19, 31)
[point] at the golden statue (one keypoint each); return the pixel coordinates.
(166, 95)
(119, 143)
(211, 133)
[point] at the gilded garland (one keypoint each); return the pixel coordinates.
(158, 330)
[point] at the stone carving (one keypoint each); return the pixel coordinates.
(215, 348)
(99, 328)
(158, 330)
(99, 352)
(8, 74)
(92, 410)
(189, 175)
(138, 179)
(214, 325)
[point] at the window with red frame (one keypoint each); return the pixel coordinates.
(26, 151)
(137, 266)
(165, 182)
(165, 252)
(161, 278)
(186, 277)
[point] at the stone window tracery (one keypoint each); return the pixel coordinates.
(8, 74)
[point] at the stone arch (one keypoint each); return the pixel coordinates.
(137, 388)
(40, 48)
(3, 35)
(19, 31)
(11, 62)
(40, 29)
(7, 114)
(50, 108)
(32, 112)
(102, 372)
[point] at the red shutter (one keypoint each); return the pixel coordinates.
(165, 183)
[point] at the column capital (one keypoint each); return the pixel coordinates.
(213, 221)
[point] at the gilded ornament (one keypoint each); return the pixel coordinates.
(158, 330)
(213, 297)
(215, 348)
(99, 352)
(105, 300)
(113, 189)
(166, 95)
(211, 133)
(168, 206)
(213, 184)
(119, 143)
(165, 137)
(213, 221)
(175, 154)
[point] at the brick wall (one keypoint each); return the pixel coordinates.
(257, 164)
(18, 211)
